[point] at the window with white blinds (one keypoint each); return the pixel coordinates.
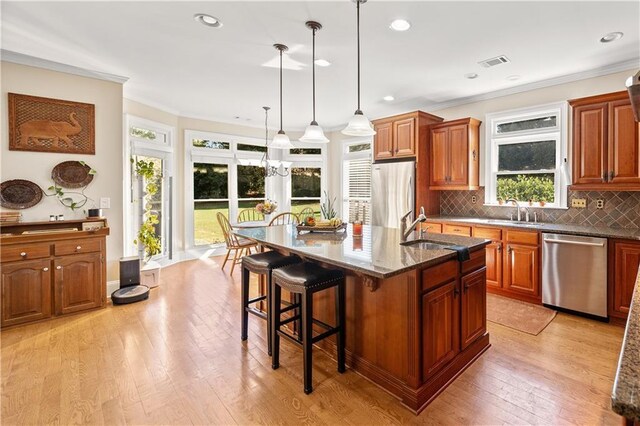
(357, 182)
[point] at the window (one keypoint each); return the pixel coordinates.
(152, 143)
(356, 172)
(306, 183)
(525, 152)
(305, 151)
(226, 177)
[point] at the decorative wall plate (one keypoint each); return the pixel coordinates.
(19, 194)
(71, 174)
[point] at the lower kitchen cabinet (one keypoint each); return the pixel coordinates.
(51, 274)
(474, 307)
(624, 261)
(26, 291)
(441, 325)
(78, 283)
(522, 268)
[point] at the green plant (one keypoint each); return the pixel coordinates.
(71, 199)
(526, 187)
(147, 236)
(327, 207)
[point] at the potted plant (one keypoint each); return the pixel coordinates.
(542, 201)
(267, 207)
(500, 201)
(148, 241)
(327, 207)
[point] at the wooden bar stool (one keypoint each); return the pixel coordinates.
(262, 264)
(305, 279)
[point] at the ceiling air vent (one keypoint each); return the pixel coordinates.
(492, 62)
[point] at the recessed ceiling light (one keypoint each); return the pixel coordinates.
(513, 77)
(400, 25)
(608, 38)
(471, 75)
(208, 20)
(322, 62)
(388, 98)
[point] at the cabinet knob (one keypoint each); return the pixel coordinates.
(23, 254)
(604, 176)
(509, 249)
(78, 248)
(45, 269)
(611, 176)
(499, 248)
(58, 267)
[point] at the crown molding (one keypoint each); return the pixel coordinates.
(32, 61)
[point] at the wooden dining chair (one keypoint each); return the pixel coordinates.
(250, 215)
(241, 246)
(305, 213)
(287, 218)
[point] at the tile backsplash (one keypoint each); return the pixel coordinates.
(621, 209)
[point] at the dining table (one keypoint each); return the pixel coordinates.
(250, 224)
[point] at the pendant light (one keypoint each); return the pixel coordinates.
(359, 125)
(271, 167)
(281, 140)
(313, 132)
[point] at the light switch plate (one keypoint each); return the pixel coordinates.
(579, 203)
(105, 202)
(600, 203)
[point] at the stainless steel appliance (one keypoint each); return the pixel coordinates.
(392, 192)
(574, 273)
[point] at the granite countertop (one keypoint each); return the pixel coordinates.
(625, 399)
(377, 253)
(560, 228)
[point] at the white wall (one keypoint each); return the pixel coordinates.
(37, 166)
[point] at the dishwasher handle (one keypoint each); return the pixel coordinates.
(575, 243)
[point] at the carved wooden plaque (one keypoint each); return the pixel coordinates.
(50, 125)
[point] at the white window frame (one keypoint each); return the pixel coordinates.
(304, 160)
(557, 133)
(231, 157)
(348, 156)
(164, 150)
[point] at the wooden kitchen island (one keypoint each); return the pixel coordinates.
(416, 317)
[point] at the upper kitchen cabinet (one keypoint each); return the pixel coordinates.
(402, 136)
(455, 155)
(606, 143)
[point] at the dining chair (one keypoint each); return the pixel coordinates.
(305, 213)
(233, 242)
(250, 215)
(287, 218)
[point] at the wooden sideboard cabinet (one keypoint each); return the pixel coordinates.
(49, 269)
(606, 143)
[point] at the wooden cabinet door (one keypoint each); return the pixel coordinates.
(589, 143)
(623, 144)
(78, 281)
(26, 291)
(440, 327)
(458, 155)
(493, 253)
(439, 157)
(474, 307)
(404, 137)
(625, 270)
(522, 266)
(383, 141)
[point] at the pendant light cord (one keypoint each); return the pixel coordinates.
(313, 67)
(281, 90)
(358, 30)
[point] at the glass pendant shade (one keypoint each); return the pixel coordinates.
(314, 133)
(359, 125)
(281, 141)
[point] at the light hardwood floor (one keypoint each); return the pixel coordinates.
(178, 359)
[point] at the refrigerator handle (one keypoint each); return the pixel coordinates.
(409, 197)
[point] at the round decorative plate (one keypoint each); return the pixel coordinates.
(71, 174)
(19, 194)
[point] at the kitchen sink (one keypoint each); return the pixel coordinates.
(513, 222)
(425, 245)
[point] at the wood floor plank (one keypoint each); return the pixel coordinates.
(177, 359)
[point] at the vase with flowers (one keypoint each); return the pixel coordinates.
(267, 207)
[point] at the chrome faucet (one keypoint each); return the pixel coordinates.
(404, 231)
(520, 209)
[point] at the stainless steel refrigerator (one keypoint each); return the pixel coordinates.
(392, 192)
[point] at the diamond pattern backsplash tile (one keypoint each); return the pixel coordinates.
(621, 209)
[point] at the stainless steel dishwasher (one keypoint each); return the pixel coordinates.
(574, 273)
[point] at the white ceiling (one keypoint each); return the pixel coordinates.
(196, 71)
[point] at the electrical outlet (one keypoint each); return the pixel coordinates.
(600, 203)
(579, 203)
(474, 199)
(105, 202)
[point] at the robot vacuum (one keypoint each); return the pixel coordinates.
(130, 290)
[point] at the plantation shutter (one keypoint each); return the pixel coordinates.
(358, 173)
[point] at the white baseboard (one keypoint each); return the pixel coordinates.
(111, 287)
